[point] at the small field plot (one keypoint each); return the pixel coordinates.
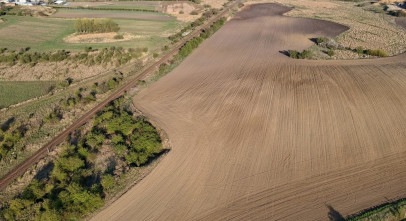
(89, 13)
(14, 92)
(37, 33)
(47, 34)
(147, 5)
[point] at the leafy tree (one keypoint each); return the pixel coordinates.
(70, 164)
(107, 182)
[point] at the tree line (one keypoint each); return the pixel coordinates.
(90, 25)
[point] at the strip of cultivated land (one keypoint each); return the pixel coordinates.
(257, 135)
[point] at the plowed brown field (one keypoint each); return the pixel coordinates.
(259, 136)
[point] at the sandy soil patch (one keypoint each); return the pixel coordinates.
(175, 9)
(401, 22)
(98, 37)
(259, 136)
(214, 3)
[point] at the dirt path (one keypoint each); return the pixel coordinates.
(259, 136)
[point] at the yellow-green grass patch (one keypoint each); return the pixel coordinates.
(14, 92)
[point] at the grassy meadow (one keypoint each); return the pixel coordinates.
(47, 34)
(13, 92)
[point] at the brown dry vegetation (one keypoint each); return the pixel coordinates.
(50, 71)
(367, 29)
(259, 136)
(175, 9)
(214, 3)
(97, 37)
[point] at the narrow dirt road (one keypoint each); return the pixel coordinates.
(259, 136)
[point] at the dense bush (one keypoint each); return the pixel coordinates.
(399, 13)
(86, 25)
(378, 53)
(320, 40)
(330, 53)
(9, 138)
(360, 50)
(195, 42)
(75, 187)
(305, 54)
(118, 36)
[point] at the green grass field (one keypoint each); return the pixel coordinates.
(46, 34)
(14, 92)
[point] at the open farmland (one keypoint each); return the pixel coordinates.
(47, 34)
(149, 5)
(259, 136)
(13, 92)
(88, 13)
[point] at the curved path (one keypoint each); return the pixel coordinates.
(259, 136)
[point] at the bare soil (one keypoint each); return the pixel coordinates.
(401, 22)
(259, 136)
(175, 9)
(98, 37)
(214, 3)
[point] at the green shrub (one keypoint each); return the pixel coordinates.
(119, 36)
(86, 25)
(194, 12)
(107, 182)
(155, 55)
(320, 40)
(378, 53)
(359, 50)
(305, 54)
(330, 53)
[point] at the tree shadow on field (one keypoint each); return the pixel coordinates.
(6, 125)
(334, 215)
(284, 52)
(45, 171)
(314, 40)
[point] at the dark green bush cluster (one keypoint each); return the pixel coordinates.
(115, 55)
(75, 187)
(195, 42)
(85, 96)
(393, 207)
(320, 40)
(134, 140)
(118, 36)
(205, 16)
(399, 13)
(87, 25)
(33, 57)
(378, 53)
(9, 137)
(54, 117)
(305, 54)
(213, 28)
